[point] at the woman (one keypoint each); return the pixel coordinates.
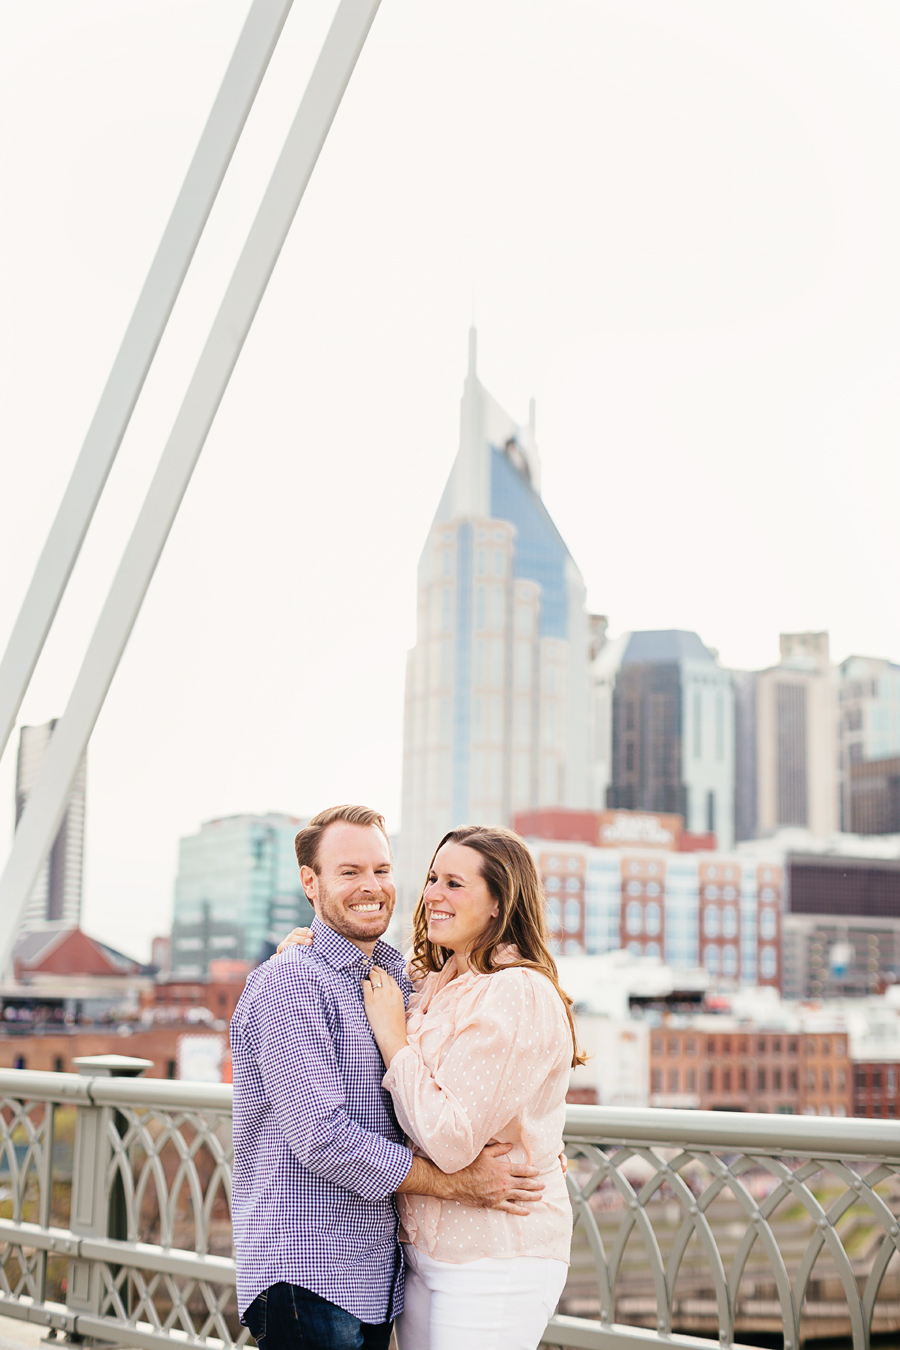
(483, 1054)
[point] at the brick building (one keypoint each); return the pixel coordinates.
(55, 1051)
(218, 992)
(876, 1089)
(713, 1063)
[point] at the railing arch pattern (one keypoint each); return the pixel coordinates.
(677, 1215)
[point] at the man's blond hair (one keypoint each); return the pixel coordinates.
(306, 844)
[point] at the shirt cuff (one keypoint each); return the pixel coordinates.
(403, 1053)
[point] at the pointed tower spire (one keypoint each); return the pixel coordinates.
(471, 472)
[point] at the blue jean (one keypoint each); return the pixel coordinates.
(288, 1317)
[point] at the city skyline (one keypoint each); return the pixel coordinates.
(704, 306)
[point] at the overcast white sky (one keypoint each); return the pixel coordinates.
(680, 219)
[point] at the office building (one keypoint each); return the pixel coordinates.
(841, 928)
(496, 706)
(633, 889)
(796, 740)
(56, 897)
(829, 956)
(871, 791)
(237, 892)
(664, 727)
(869, 737)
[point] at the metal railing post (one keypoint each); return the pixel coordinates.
(95, 1211)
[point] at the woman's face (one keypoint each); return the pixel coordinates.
(457, 899)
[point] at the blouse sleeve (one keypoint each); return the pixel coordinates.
(505, 1045)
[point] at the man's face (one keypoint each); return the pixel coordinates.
(354, 889)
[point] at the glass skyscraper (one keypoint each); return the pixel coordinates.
(497, 684)
(237, 891)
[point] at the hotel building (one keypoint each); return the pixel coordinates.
(624, 880)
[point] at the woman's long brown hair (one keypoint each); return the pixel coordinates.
(515, 884)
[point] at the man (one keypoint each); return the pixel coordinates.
(318, 1152)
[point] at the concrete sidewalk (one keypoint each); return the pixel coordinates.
(16, 1335)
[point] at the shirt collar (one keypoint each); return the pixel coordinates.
(341, 953)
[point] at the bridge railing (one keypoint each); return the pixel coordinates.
(115, 1219)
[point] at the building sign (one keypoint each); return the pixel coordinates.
(638, 829)
(201, 1058)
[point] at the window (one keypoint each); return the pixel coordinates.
(743, 1080)
(726, 1045)
(629, 756)
(710, 1045)
(761, 1046)
(792, 1046)
(673, 1080)
(673, 1045)
(826, 1047)
(890, 1080)
(776, 1080)
(761, 1080)
(711, 812)
(691, 1080)
(839, 1049)
(657, 1047)
(170, 1068)
(841, 1080)
(726, 1080)
(876, 1079)
(776, 1045)
(767, 924)
(729, 921)
(793, 1080)
(710, 1080)
(58, 1064)
(811, 1079)
(768, 963)
(652, 918)
(742, 1046)
(711, 921)
(634, 919)
(657, 1080)
(859, 1078)
(691, 1046)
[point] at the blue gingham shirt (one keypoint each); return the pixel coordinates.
(318, 1152)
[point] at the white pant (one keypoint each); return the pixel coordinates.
(497, 1303)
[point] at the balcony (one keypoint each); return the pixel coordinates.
(692, 1228)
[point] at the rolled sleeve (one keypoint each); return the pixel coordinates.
(301, 1079)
